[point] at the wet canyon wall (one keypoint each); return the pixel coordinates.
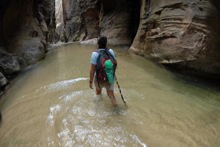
(26, 27)
(180, 33)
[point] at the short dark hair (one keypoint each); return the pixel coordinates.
(102, 41)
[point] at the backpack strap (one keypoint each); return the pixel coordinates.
(108, 52)
(98, 64)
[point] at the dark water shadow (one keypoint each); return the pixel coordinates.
(210, 82)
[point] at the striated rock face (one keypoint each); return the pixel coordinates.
(181, 33)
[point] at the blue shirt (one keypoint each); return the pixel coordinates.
(95, 55)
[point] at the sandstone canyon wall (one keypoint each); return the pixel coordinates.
(26, 27)
(181, 33)
(87, 19)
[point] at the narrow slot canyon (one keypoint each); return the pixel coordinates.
(168, 71)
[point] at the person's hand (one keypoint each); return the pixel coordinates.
(90, 85)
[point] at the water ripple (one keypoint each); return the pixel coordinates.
(53, 111)
(63, 84)
(71, 96)
(134, 137)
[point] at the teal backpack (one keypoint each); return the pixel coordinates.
(105, 67)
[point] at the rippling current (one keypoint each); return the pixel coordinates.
(50, 104)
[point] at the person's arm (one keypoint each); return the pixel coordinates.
(92, 72)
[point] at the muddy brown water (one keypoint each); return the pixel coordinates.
(51, 104)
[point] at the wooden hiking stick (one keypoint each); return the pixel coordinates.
(120, 91)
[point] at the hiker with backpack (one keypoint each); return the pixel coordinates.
(102, 72)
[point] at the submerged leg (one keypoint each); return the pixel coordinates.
(98, 91)
(112, 97)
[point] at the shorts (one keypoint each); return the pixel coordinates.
(104, 84)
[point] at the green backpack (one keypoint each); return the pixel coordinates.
(105, 67)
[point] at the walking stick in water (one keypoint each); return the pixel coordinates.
(120, 91)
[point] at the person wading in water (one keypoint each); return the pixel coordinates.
(102, 72)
